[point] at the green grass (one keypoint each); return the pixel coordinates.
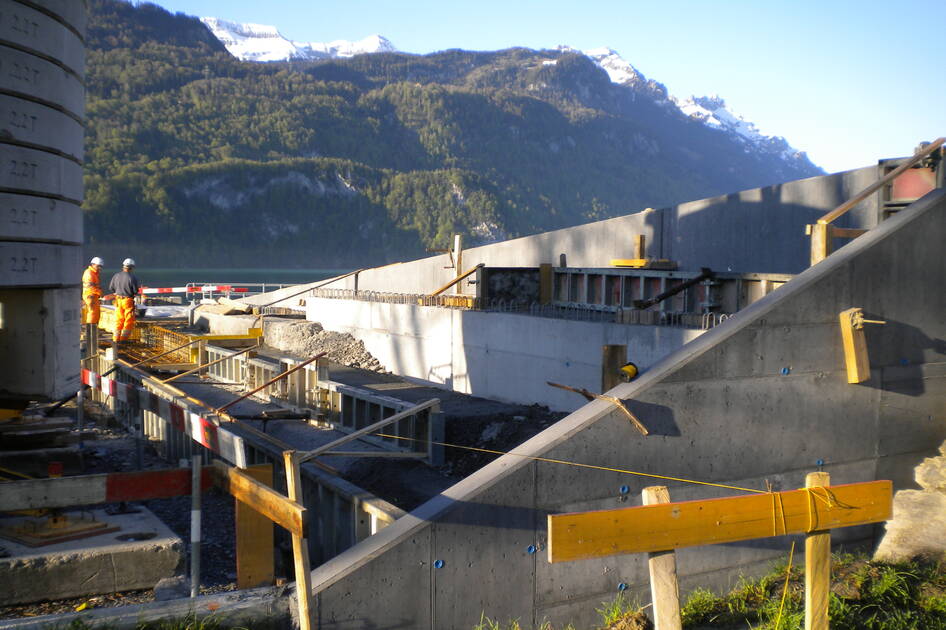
(864, 595)
(186, 623)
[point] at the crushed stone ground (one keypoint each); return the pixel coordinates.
(306, 339)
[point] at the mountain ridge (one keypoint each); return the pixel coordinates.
(196, 157)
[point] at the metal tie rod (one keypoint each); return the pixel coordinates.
(270, 382)
(307, 455)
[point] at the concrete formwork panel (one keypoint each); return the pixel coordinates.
(46, 128)
(31, 218)
(709, 426)
(72, 13)
(24, 74)
(39, 33)
(24, 264)
(39, 342)
(30, 171)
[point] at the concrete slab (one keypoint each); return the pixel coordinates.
(140, 553)
(27, 121)
(31, 171)
(27, 74)
(36, 31)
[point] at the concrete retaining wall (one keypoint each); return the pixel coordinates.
(500, 356)
(763, 396)
(759, 230)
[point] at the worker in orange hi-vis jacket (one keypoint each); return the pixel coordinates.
(92, 291)
(126, 287)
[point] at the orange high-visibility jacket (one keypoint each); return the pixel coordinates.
(90, 282)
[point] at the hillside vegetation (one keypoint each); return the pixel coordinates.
(194, 156)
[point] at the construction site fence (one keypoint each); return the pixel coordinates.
(346, 408)
(593, 313)
(418, 299)
(342, 513)
(556, 310)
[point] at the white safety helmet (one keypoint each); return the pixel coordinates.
(96, 261)
(128, 262)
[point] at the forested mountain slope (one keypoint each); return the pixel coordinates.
(194, 157)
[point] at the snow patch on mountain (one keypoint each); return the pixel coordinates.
(263, 43)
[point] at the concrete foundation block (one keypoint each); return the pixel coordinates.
(137, 556)
(37, 172)
(31, 218)
(31, 29)
(23, 73)
(26, 121)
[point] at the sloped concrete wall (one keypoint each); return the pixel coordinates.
(500, 356)
(759, 230)
(762, 397)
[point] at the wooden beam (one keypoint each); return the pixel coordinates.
(283, 511)
(255, 559)
(821, 243)
(836, 232)
(617, 402)
(300, 545)
(546, 280)
(817, 564)
(664, 590)
(613, 356)
(456, 280)
(647, 528)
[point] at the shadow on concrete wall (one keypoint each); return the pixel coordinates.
(658, 419)
(904, 345)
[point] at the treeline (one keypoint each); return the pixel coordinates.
(371, 159)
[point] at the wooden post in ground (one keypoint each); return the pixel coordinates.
(254, 537)
(300, 545)
(458, 261)
(821, 242)
(612, 358)
(640, 246)
(664, 590)
(817, 562)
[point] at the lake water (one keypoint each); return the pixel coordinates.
(180, 277)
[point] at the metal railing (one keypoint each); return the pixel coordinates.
(419, 299)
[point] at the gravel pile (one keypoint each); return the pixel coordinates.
(306, 339)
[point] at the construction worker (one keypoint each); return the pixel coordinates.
(125, 286)
(91, 296)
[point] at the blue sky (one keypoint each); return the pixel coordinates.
(848, 81)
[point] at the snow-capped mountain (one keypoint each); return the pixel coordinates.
(712, 111)
(262, 43)
(259, 42)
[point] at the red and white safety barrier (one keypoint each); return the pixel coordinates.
(201, 430)
(60, 492)
(209, 288)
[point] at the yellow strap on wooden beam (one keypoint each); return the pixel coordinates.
(666, 526)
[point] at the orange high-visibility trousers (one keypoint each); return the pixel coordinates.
(90, 309)
(124, 318)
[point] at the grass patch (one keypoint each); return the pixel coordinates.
(864, 595)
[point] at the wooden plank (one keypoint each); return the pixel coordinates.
(821, 243)
(281, 510)
(837, 232)
(817, 566)
(664, 590)
(546, 279)
(254, 537)
(661, 527)
(300, 545)
(855, 348)
(613, 356)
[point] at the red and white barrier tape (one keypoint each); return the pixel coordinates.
(218, 288)
(201, 430)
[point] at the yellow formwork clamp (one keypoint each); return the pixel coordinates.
(629, 371)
